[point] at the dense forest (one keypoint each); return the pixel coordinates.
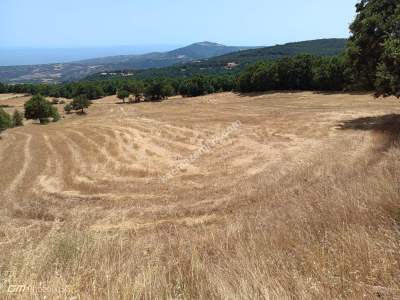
(303, 72)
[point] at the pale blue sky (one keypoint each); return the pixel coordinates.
(76, 23)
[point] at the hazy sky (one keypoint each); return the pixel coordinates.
(72, 23)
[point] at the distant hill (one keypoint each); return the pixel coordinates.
(323, 47)
(198, 58)
(205, 50)
(61, 72)
(235, 61)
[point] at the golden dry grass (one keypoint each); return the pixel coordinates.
(301, 201)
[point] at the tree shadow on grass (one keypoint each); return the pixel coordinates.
(124, 103)
(324, 93)
(273, 92)
(352, 93)
(388, 126)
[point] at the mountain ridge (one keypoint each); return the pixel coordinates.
(60, 72)
(236, 61)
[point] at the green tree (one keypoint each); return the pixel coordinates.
(388, 73)
(167, 90)
(94, 92)
(196, 86)
(38, 108)
(17, 119)
(109, 88)
(80, 103)
(159, 90)
(329, 74)
(5, 120)
(122, 94)
(292, 73)
(373, 49)
(137, 90)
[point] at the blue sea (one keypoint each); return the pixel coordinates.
(33, 56)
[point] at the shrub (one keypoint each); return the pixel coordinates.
(55, 114)
(17, 119)
(5, 120)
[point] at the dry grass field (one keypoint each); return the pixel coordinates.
(264, 196)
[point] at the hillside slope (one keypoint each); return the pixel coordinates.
(225, 196)
(52, 73)
(235, 61)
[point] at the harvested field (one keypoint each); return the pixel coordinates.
(263, 196)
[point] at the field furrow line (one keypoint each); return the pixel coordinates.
(27, 158)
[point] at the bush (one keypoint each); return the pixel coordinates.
(55, 114)
(5, 120)
(17, 119)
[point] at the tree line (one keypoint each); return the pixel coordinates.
(148, 90)
(302, 72)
